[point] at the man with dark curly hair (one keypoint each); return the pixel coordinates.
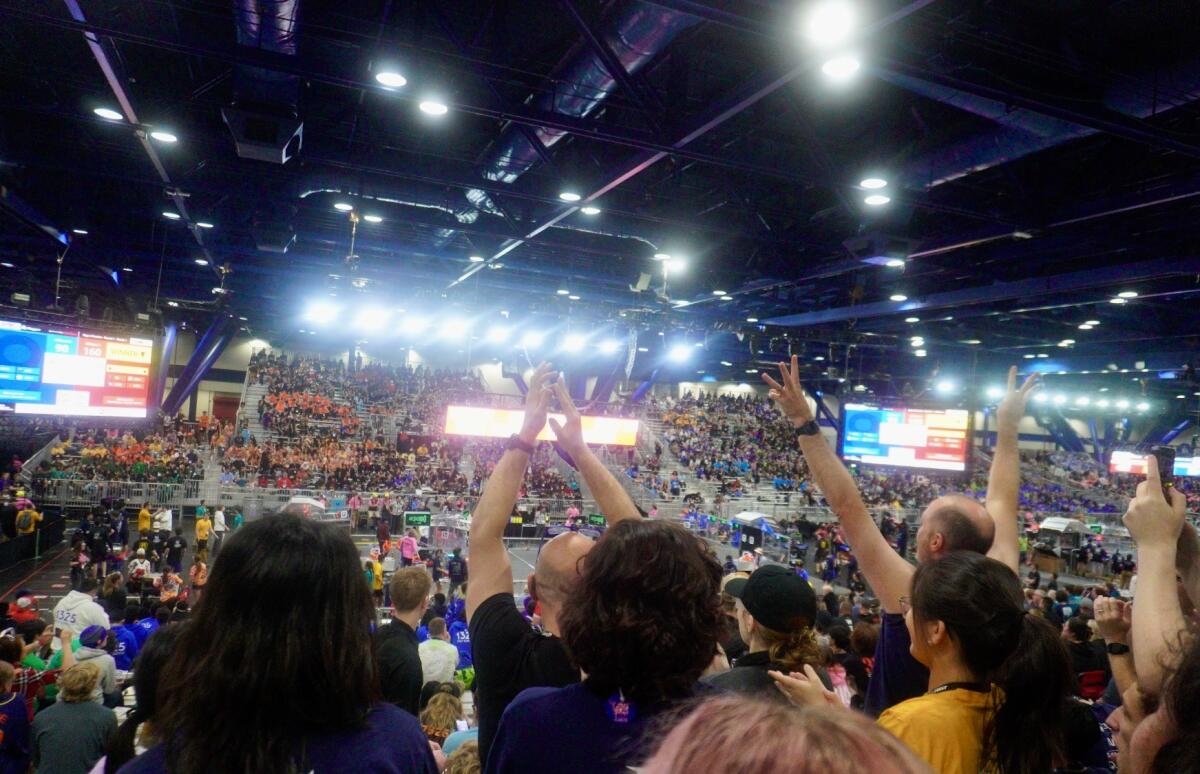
(509, 655)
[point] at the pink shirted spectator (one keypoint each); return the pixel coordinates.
(408, 549)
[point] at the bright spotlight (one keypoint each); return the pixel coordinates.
(590, 210)
(455, 328)
(680, 353)
(946, 387)
(995, 392)
(343, 206)
(569, 196)
(1117, 301)
(165, 137)
(895, 263)
(718, 292)
(842, 68)
(532, 339)
(1083, 400)
(1040, 398)
(432, 107)
(1102, 403)
(170, 215)
(920, 353)
(391, 79)
(876, 200)
(873, 183)
(675, 265)
(373, 218)
(1122, 404)
(109, 114)
(1059, 399)
(574, 342)
(830, 23)
(497, 334)
(203, 224)
(897, 297)
(371, 319)
(1127, 294)
(321, 313)
(912, 319)
(476, 259)
(609, 346)
(414, 324)
(1143, 406)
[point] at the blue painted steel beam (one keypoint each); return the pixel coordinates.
(186, 381)
(1097, 445)
(26, 212)
(165, 353)
(823, 410)
(1175, 431)
(1001, 291)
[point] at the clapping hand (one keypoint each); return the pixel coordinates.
(537, 403)
(1114, 617)
(570, 432)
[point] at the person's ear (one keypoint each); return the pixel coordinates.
(936, 633)
(937, 542)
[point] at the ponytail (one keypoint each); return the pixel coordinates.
(790, 652)
(1025, 734)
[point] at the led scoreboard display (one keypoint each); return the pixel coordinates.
(927, 439)
(57, 370)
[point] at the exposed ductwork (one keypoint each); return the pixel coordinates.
(1022, 132)
(263, 118)
(636, 34)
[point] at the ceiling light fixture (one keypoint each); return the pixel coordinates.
(841, 68)
(203, 224)
(920, 353)
(898, 297)
(1117, 301)
(126, 268)
(894, 263)
(718, 292)
(391, 79)
(751, 319)
(1091, 322)
(476, 259)
(590, 210)
(726, 298)
(569, 196)
(873, 183)
(79, 231)
(343, 206)
(433, 107)
(830, 23)
(876, 200)
(109, 114)
(912, 319)
(1086, 327)
(1127, 294)
(162, 136)
(372, 218)
(171, 215)
(572, 297)
(201, 261)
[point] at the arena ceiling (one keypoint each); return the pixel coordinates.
(1039, 158)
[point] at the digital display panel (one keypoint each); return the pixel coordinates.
(1132, 462)
(502, 423)
(416, 518)
(929, 439)
(58, 370)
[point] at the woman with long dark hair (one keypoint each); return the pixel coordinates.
(275, 673)
(999, 679)
(136, 731)
(642, 624)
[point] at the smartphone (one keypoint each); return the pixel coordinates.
(1166, 468)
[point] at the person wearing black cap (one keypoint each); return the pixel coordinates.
(775, 610)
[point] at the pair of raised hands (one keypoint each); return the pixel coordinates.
(544, 386)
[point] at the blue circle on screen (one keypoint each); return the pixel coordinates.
(17, 350)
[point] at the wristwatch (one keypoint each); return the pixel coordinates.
(514, 442)
(1117, 648)
(809, 428)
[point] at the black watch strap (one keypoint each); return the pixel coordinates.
(515, 442)
(1117, 649)
(809, 428)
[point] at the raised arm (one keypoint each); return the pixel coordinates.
(491, 571)
(1158, 621)
(888, 573)
(1004, 479)
(614, 502)
(1187, 562)
(1114, 619)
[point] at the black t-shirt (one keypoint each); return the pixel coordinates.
(457, 569)
(175, 547)
(509, 656)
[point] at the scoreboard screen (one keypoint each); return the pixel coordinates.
(925, 439)
(64, 371)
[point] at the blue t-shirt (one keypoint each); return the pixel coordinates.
(127, 647)
(565, 729)
(392, 743)
(453, 741)
(143, 629)
(897, 676)
(14, 734)
(460, 636)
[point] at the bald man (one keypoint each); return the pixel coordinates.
(949, 523)
(509, 655)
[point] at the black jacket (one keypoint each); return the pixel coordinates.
(749, 676)
(399, 666)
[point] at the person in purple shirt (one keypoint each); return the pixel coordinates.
(950, 523)
(643, 625)
(309, 701)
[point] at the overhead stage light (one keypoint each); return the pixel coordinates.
(995, 392)
(476, 259)
(165, 137)
(912, 319)
(946, 387)
(201, 261)
(79, 231)
(203, 224)
(609, 346)
(372, 218)
(876, 200)
(1143, 406)
(574, 342)
(830, 23)
(170, 215)
(109, 113)
(433, 107)
(1059, 399)
(873, 183)
(321, 313)
(894, 263)
(343, 206)
(572, 297)
(1117, 301)
(897, 297)
(841, 68)
(590, 210)
(497, 334)
(680, 353)
(569, 196)
(532, 339)
(391, 79)
(751, 319)
(1127, 294)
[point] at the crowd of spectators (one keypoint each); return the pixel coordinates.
(166, 452)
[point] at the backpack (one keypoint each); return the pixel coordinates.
(841, 687)
(24, 520)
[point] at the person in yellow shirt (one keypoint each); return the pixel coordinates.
(999, 678)
(28, 520)
(203, 527)
(143, 522)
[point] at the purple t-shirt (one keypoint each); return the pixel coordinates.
(897, 676)
(392, 743)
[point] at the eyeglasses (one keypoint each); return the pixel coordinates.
(905, 604)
